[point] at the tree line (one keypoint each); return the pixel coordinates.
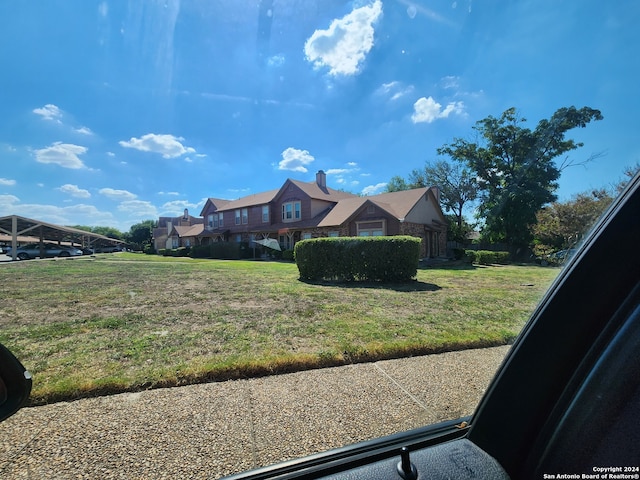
(510, 174)
(138, 236)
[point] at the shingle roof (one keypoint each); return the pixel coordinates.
(250, 200)
(398, 204)
(192, 231)
(216, 202)
(320, 193)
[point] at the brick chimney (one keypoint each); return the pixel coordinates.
(321, 179)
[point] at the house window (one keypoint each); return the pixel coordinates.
(245, 216)
(334, 234)
(238, 238)
(237, 217)
(306, 236)
(285, 242)
(371, 209)
(371, 229)
(265, 213)
(210, 220)
(220, 222)
(291, 211)
(215, 220)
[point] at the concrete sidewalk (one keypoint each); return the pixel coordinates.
(212, 430)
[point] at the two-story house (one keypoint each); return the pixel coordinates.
(174, 232)
(300, 210)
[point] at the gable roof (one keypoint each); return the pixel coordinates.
(311, 189)
(191, 231)
(262, 198)
(217, 204)
(316, 192)
(397, 204)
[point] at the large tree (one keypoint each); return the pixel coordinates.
(397, 184)
(563, 224)
(140, 234)
(516, 169)
(457, 184)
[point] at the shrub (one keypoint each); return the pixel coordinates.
(487, 257)
(287, 255)
(220, 250)
(458, 253)
(149, 250)
(383, 259)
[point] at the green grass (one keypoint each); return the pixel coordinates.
(126, 322)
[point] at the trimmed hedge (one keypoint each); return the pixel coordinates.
(487, 257)
(222, 251)
(377, 259)
(174, 252)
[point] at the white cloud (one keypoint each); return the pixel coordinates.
(450, 81)
(118, 195)
(337, 171)
(276, 60)
(63, 154)
(344, 45)
(83, 130)
(5, 182)
(7, 202)
(428, 110)
(74, 191)
(111, 154)
(374, 189)
(352, 164)
(80, 214)
(49, 112)
(176, 207)
(295, 160)
(166, 145)
(395, 90)
(139, 209)
(168, 193)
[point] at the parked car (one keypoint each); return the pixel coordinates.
(32, 250)
(108, 249)
(87, 251)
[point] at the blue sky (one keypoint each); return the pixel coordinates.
(118, 112)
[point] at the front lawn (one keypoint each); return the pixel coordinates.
(126, 322)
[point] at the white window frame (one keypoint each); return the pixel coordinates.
(245, 216)
(238, 216)
(265, 214)
(295, 211)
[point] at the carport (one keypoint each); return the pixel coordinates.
(14, 226)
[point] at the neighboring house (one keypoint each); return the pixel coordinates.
(174, 232)
(301, 210)
(185, 236)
